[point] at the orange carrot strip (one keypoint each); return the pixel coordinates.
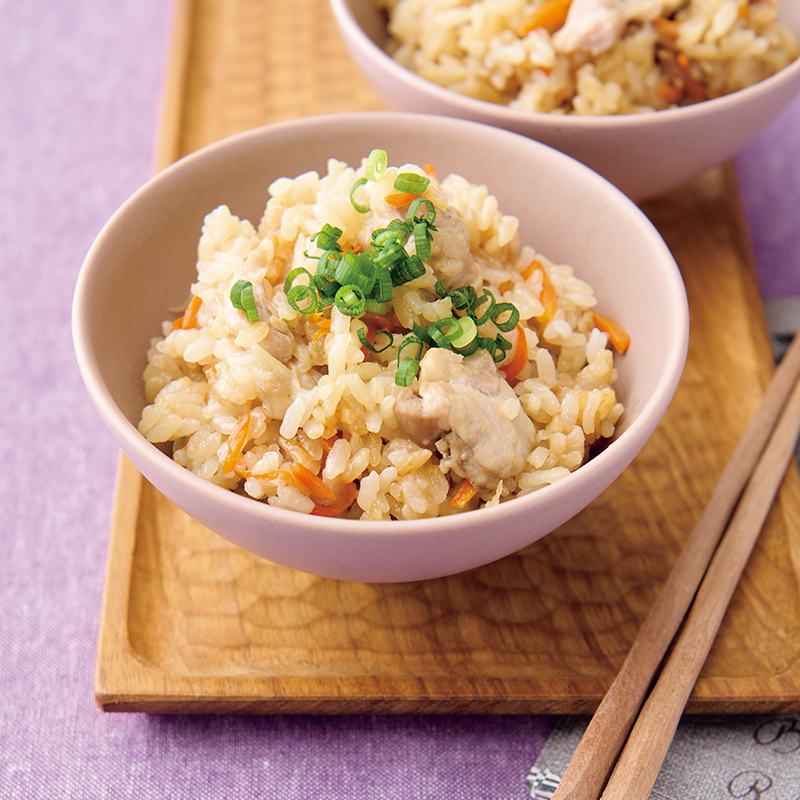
(520, 358)
(548, 14)
(618, 337)
(189, 317)
(323, 328)
(236, 442)
(305, 479)
(670, 92)
(549, 296)
(429, 169)
(340, 504)
(463, 494)
(401, 198)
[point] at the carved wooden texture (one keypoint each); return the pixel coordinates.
(193, 624)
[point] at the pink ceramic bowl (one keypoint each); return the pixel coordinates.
(642, 154)
(143, 262)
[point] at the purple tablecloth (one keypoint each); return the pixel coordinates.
(81, 83)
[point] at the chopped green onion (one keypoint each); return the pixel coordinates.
(358, 269)
(430, 212)
(326, 285)
(464, 297)
(455, 332)
(486, 297)
(327, 262)
(243, 299)
(327, 238)
(407, 370)
(390, 257)
(372, 305)
(396, 231)
(365, 342)
(350, 300)
(303, 298)
(411, 341)
(511, 320)
(411, 182)
(410, 269)
(376, 165)
(384, 289)
(356, 205)
(422, 240)
(236, 294)
(422, 334)
(467, 332)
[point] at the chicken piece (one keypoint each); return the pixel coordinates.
(451, 257)
(468, 408)
(279, 342)
(593, 25)
(596, 25)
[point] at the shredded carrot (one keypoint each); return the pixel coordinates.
(668, 29)
(548, 14)
(323, 327)
(401, 198)
(429, 169)
(341, 503)
(520, 358)
(670, 92)
(189, 318)
(236, 442)
(306, 480)
(618, 337)
(463, 494)
(549, 296)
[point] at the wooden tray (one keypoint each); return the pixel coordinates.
(192, 624)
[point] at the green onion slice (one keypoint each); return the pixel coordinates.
(365, 342)
(376, 165)
(407, 370)
(236, 294)
(303, 298)
(486, 297)
(358, 269)
(249, 303)
(327, 237)
(430, 212)
(356, 205)
(350, 300)
(243, 299)
(409, 270)
(384, 289)
(422, 334)
(411, 182)
(465, 334)
(512, 319)
(422, 240)
(464, 297)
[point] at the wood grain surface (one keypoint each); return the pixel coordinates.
(192, 624)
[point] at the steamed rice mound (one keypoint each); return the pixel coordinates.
(590, 57)
(292, 410)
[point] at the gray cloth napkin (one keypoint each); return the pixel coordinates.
(711, 758)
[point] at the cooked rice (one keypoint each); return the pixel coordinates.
(303, 391)
(667, 53)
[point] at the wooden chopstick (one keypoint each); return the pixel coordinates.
(603, 741)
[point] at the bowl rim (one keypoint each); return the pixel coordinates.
(142, 451)
(503, 115)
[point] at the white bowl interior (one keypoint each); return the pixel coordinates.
(143, 262)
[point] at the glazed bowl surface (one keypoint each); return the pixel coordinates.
(642, 154)
(143, 262)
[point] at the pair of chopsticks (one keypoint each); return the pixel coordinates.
(620, 754)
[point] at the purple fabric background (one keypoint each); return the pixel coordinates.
(81, 82)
